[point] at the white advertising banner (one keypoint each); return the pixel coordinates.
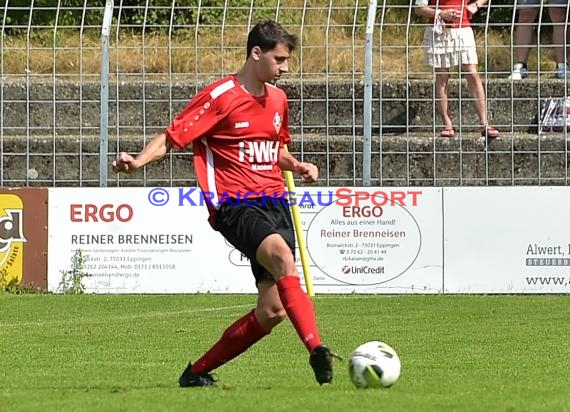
(375, 240)
(507, 240)
(140, 240)
(158, 240)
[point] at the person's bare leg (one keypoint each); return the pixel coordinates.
(524, 33)
(479, 101)
(441, 82)
(269, 310)
(559, 33)
(476, 91)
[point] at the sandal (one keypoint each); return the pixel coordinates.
(447, 132)
(490, 132)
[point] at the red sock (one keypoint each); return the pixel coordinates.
(300, 310)
(236, 339)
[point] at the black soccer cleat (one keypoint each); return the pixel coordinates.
(321, 360)
(190, 380)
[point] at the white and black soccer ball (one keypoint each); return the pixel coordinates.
(374, 365)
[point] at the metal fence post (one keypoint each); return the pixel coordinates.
(367, 103)
(104, 122)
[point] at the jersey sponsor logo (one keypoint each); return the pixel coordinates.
(277, 122)
(241, 125)
(261, 167)
(261, 154)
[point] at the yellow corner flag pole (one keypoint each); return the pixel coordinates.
(298, 223)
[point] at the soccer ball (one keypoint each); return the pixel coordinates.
(374, 365)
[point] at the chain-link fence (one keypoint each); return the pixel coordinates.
(347, 112)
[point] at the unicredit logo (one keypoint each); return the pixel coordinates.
(366, 270)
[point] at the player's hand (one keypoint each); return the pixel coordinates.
(125, 163)
(309, 172)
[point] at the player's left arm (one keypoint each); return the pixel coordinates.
(308, 171)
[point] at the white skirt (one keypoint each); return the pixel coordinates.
(451, 48)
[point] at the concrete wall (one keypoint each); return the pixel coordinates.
(404, 149)
(416, 161)
(70, 108)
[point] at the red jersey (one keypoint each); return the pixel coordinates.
(460, 5)
(236, 139)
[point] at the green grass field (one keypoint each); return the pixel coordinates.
(123, 353)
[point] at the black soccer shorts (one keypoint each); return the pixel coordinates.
(245, 226)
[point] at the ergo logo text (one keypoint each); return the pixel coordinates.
(89, 212)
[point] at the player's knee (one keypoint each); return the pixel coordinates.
(278, 316)
(283, 259)
(278, 258)
(271, 317)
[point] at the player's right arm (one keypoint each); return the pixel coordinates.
(155, 150)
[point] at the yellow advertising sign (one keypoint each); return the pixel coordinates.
(11, 239)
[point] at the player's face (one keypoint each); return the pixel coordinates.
(273, 63)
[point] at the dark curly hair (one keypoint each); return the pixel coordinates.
(267, 34)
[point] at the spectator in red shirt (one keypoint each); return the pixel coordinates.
(238, 127)
(449, 42)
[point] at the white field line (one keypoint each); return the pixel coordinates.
(109, 318)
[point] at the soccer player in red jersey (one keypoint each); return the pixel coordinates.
(238, 127)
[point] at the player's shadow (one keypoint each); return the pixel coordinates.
(397, 122)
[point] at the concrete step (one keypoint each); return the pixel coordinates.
(331, 107)
(404, 160)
